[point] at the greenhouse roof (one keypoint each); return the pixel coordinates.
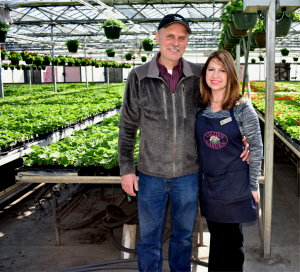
(35, 24)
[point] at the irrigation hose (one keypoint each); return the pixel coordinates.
(102, 265)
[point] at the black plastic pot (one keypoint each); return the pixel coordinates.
(62, 63)
(15, 62)
(253, 61)
(37, 62)
(5, 68)
(244, 21)
(70, 63)
(295, 58)
(147, 46)
(282, 27)
(112, 32)
(128, 57)
(72, 48)
(285, 53)
(111, 54)
(144, 60)
(261, 59)
(77, 64)
(2, 56)
(46, 62)
(236, 32)
(283, 61)
(55, 63)
(260, 39)
(28, 61)
(3, 35)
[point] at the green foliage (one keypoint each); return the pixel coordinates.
(129, 54)
(110, 50)
(5, 64)
(143, 58)
(97, 145)
(4, 27)
(47, 57)
(113, 23)
(259, 27)
(15, 56)
(73, 42)
(29, 110)
(284, 51)
(148, 41)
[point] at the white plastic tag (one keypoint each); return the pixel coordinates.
(225, 121)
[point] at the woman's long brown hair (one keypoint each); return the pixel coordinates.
(232, 93)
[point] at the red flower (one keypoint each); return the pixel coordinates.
(2, 47)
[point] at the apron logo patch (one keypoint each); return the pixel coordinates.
(215, 140)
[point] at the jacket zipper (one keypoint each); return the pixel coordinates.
(183, 102)
(175, 133)
(165, 101)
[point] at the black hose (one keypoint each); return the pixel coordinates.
(102, 266)
(121, 222)
(81, 224)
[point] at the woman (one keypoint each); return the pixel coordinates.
(228, 185)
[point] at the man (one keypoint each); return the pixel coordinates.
(161, 97)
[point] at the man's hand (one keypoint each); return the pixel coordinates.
(129, 181)
(255, 196)
(245, 155)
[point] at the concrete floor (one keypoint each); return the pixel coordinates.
(27, 241)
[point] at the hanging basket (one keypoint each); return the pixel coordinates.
(295, 58)
(77, 64)
(253, 61)
(236, 32)
(253, 43)
(128, 57)
(12, 68)
(38, 62)
(72, 48)
(144, 59)
(283, 61)
(3, 35)
(148, 46)
(70, 63)
(282, 27)
(28, 61)
(260, 39)
(15, 62)
(62, 63)
(231, 42)
(244, 21)
(46, 62)
(111, 54)
(5, 68)
(112, 33)
(261, 58)
(235, 40)
(2, 56)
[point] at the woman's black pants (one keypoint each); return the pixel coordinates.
(226, 247)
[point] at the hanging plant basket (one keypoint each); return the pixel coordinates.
(112, 33)
(28, 68)
(111, 54)
(261, 58)
(284, 52)
(38, 62)
(28, 61)
(55, 63)
(34, 68)
(231, 42)
(46, 62)
(295, 58)
(62, 63)
(244, 21)
(260, 39)
(253, 43)
(3, 35)
(15, 62)
(283, 61)
(144, 59)
(253, 61)
(148, 46)
(77, 64)
(128, 57)
(5, 68)
(2, 56)
(12, 68)
(23, 68)
(235, 40)
(282, 27)
(73, 48)
(236, 32)
(70, 63)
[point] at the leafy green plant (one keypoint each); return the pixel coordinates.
(148, 41)
(4, 27)
(70, 59)
(12, 67)
(261, 57)
(113, 23)
(14, 56)
(253, 60)
(47, 57)
(5, 65)
(143, 58)
(284, 51)
(129, 54)
(259, 27)
(73, 42)
(110, 50)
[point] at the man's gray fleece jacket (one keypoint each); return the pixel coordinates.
(167, 122)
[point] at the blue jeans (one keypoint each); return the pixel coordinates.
(153, 196)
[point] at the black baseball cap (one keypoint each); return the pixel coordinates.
(172, 19)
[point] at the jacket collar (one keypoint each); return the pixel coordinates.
(153, 70)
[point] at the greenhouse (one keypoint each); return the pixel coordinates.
(72, 72)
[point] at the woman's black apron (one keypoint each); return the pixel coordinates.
(225, 194)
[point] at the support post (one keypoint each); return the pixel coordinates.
(107, 71)
(246, 50)
(128, 240)
(12, 76)
(269, 128)
(260, 218)
(29, 71)
(298, 177)
(53, 67)
(238, 60)
(1, 82)
(86, 80)
(55, 213)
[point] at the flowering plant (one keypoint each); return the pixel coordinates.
(39, 58)
(3, 51)
(15, 56)
(28, 56)
(70, 60)
(77, 60)
(12, 67)
(48, 57)
(5, 65)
